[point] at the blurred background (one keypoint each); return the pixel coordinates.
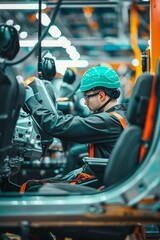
(79, 34)
(85, 33)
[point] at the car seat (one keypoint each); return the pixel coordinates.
(11, 96)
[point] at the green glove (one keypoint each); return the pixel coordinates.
(29, 93)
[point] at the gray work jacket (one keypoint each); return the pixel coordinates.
(101, 129)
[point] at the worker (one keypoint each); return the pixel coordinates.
(101, 129)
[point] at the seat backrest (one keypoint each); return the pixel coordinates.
(152, 113)
(11, 90)
(11, 98)
(124, 158)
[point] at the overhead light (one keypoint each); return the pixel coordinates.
(54, 31)
(75, 55)
(45, 20)
(25, 6)
(61, 69)
(56, 43)
(18, 27)
(64, 41)
(23, 34)
(72, 63)
(10, 22)
(70, 49)
(44, 43)
(135, 62)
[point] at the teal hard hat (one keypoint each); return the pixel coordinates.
(99, 76)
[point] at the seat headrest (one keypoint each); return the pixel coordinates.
(138, 104)
(9, 44)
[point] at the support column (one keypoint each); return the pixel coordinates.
(134, 22)
(154, 34)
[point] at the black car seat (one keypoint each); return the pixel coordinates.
(142, 113)
(11, 94)
(128, 146)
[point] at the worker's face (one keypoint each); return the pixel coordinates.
(94, 99)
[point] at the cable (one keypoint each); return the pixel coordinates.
(39, 36)
(14, 184)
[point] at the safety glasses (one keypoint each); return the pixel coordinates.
(87, 96)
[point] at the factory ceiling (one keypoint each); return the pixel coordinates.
(98, 29)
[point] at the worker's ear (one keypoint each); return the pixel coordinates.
(102, 96)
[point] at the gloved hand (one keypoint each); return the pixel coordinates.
(29, 93)
(72, 175)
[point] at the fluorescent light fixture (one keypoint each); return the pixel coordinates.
(45, 43)
(72, 63)
(25, 6)
(61, 69)
(56, 43)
